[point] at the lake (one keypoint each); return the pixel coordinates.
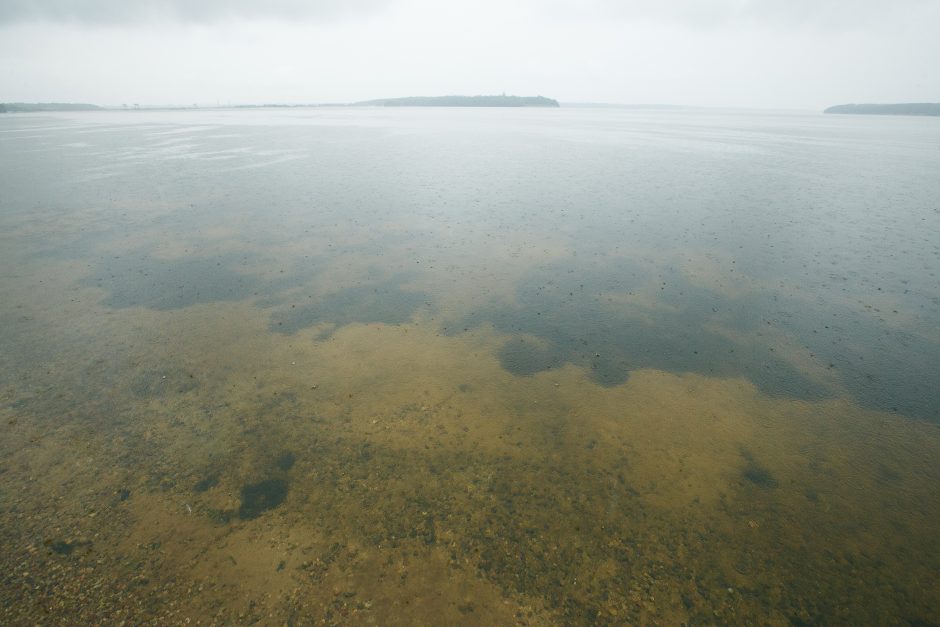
(469, 366)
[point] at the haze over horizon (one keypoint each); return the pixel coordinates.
(739, 53)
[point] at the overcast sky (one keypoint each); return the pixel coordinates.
(748, 53)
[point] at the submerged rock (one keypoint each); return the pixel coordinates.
(262, 496)
(759, 475)
(285, 461)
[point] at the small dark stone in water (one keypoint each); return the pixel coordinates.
(60, 546)
(286, 460)
(759, 475)
(261, 496)
(124, 494)
(887, 473)
(281, 565)
(429, 533)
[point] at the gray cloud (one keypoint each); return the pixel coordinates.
(131, 11)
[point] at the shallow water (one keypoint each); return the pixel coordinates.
(469, 366)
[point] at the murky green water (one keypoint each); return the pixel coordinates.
(469, 367)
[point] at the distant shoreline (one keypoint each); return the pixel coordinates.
(904, 108)
(461, 101)
(410, 101)
(34, 107)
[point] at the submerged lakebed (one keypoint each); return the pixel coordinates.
(561, 366)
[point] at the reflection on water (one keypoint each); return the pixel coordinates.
(476, 367)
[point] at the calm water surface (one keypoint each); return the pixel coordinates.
(441, 366)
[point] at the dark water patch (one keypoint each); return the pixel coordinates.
(581, 313)
(164, 284)
(385, 302)
(584, 312)
(886, 369)
(882, 366)
(259, 497)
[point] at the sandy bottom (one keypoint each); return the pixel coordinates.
(201, 469)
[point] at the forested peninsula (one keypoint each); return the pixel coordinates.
(904, 108)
